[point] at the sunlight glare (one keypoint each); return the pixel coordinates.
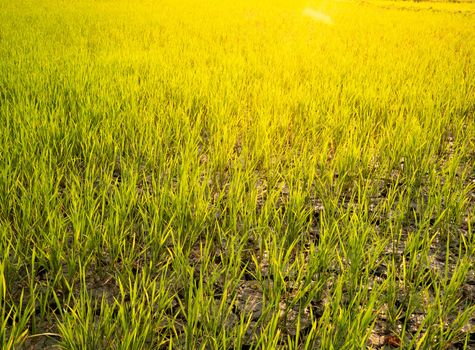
(317, 16)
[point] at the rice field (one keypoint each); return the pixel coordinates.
(254, 174)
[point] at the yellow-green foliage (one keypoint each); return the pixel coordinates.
(158, 158)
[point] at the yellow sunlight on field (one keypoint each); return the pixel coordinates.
(317, 16)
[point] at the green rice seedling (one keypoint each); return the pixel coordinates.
(272, 174)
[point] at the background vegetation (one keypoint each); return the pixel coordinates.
(222, 174)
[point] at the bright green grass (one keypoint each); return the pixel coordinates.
(233, 174)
